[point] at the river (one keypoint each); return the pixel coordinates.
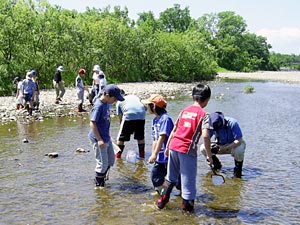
(36, 189)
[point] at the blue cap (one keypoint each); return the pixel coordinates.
(114, 91)
(217, 120)
(33, 72)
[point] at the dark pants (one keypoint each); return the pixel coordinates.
(158, 173)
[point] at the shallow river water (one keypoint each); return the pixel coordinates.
(36, 189)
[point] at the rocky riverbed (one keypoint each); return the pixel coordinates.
(170, 90)
(68, 106)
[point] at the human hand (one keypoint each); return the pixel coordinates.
(101, 144)
(152, 159)
(209, 161)
(167, 152)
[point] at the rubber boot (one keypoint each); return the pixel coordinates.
(187, 205)
(100, 179)
(238, 169)
(141, 150)
(165, 194)
(119, 154)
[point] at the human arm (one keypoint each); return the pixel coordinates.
(156, 147)
(206, 142)
(94, 128)
(169, 140)
(234, 144)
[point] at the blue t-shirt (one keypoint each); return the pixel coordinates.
(230, 132)
(131, 108)
(28, 86)
(162, 125)
(100, 114)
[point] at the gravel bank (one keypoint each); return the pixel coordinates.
(68, 106)
(282, 76)
(170, 90)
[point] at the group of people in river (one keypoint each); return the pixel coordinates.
(174, 145)
(27, 90)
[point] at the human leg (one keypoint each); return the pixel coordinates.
(62, 89)
(188, 168)
(173, 172)
(102, 164)
(125, 131)
(158, 173)
(139, 135)
(238, 153)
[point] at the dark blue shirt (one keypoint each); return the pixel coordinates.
(100, 114)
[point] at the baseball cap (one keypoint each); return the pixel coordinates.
(217, 119)
(82, 71)
(16, 79)
(157, 100)
(114, 90)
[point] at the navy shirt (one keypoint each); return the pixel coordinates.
(100, 114)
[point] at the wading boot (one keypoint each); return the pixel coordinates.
(187, 206)
(99, 181)
(238, 169)
(165, 194)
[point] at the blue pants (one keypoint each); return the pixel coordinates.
(183, 166)
(158, 173)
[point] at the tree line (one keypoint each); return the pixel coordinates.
(174, 47)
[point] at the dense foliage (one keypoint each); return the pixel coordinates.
(174, 47)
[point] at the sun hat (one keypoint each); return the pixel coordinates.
(96, 68)
(217, 120)
(114, 90)
(60, 68)
(157, 100)
(82, 71)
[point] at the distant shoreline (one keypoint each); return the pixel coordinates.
(170, 90)
(282, 76)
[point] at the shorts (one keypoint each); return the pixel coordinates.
(129, 127)
(27, 97)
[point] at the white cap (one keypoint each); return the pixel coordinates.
(60, 68)
(96, 68)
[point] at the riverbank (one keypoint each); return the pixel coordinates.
(68, 106)
(281, 76)
(170, 90)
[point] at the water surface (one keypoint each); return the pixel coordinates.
(36, 189)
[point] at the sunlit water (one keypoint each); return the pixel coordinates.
(36, 189)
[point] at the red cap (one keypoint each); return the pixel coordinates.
(82, 71)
